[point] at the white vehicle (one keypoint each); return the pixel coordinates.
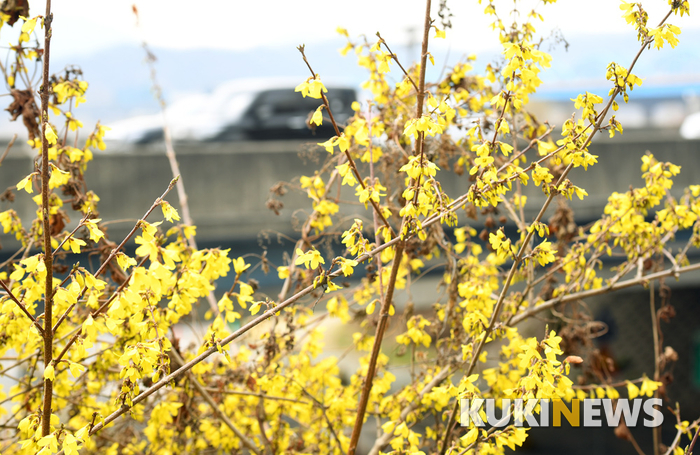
(247, 109)
(690, 129)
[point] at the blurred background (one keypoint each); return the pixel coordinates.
(201, 46)
(227, 70)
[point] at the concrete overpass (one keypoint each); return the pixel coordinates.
(228, 183)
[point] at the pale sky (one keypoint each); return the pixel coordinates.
(89, 26)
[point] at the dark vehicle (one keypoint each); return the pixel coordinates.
(240, 111)
(284, 114)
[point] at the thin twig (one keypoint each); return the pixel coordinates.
(7, 150)
(170, 154)
(679, 433)
(256, 394)
(97, 311)
(375, 221)
(412, 406)
(633, 441)
(69, 236)
(695, 439)
(222, 416)
(22, 307)
(656, 431)
(396, 59)
(613, 385)
(114, 252)
(260, 417)
(347, 152)
(605, 289)
(325, 415)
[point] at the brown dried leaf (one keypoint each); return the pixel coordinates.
(15, 9)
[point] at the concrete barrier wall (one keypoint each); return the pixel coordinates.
(228, 183)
